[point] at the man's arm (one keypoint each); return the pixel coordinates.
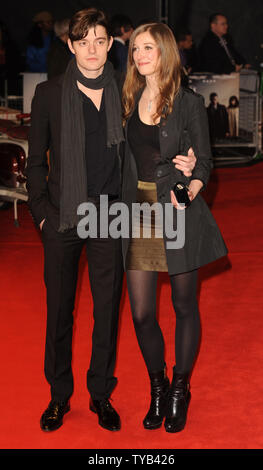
(37, 166)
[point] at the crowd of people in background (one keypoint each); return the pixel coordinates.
(47, 50)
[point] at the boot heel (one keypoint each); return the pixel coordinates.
(178, 403)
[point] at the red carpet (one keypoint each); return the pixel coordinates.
(227, 385)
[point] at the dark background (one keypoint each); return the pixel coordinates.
(245, 17)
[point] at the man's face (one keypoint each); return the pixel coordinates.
(126, 34)
(46, 26)
(91, 51)
(188, 42)
(220, 27)
(214, 99)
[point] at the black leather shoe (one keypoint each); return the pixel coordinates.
(159, 394)
(108, 417)
(178, 402)
(52, 418)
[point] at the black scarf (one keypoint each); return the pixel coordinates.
(73, 180)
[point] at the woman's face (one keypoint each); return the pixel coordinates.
(146, 54)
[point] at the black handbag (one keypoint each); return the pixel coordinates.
(181, 193)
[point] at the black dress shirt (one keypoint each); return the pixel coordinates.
(103, 174)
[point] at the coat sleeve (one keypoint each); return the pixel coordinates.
(199, 136)
(37, 165)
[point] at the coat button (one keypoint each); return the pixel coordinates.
(164, 134)
(159, 173)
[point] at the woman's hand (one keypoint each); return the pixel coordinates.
(194, 187)
(184, 163)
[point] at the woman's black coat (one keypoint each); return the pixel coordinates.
(185, 127)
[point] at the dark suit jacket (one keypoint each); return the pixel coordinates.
(43, 180)
(213, 57)
(118, 55)
(218, 122)
(186, 126)
(43, 163)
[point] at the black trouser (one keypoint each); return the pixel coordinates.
(62, 253)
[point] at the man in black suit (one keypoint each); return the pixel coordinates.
(217, 119)
(59, 54)
(216, 52)
(55, 127)
(77, 117)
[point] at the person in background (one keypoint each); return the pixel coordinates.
(217, 118)
(10, 63)
(59, 53)
(233, 116)
(187, 53)
(217, 53)
(185, 43)
(39, 42)
(121, 30)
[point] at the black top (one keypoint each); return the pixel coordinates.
(103, 174)
(145, 146)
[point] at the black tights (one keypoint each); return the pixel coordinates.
(142, 288)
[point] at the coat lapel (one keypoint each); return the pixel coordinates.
(170, 130)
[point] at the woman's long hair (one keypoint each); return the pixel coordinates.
(169, 74)
(236, 104)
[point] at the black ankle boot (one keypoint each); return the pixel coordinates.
(159, 393)
(178, 402)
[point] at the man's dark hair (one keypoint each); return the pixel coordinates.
(213, 17)
(212, 95)
(181, 36)
(119, 21)
(83, 20)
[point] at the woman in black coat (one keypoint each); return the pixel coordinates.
(162, 120)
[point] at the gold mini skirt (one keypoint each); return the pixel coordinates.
(147, 254)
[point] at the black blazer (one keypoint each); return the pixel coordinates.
(186, 126)
(213, 57)
(43, 180)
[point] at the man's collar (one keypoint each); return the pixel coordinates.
(119, 40)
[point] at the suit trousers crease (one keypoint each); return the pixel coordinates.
(62, 253)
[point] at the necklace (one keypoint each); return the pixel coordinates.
(149, 106)
(150, 103)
